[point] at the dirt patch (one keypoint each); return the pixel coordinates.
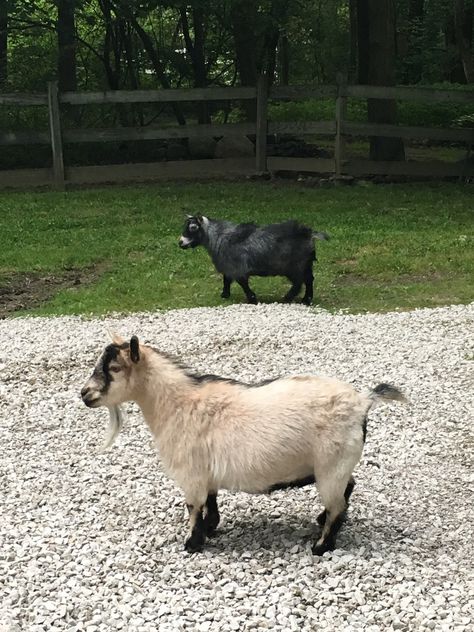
(26, 290)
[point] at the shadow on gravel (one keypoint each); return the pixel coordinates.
(266, 534)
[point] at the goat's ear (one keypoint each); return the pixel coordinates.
(115, 338)
(134, 349)
(198, 218)
(185, 212)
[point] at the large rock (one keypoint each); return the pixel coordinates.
(234, 147)
(176, 151)
(293, 147)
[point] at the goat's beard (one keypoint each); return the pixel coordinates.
(116, 419)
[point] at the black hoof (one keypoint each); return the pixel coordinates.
(193, 545)
(320, 549)
(225, 294)
(210, 527)
(307, 301)
(212, 532)
(252, 300)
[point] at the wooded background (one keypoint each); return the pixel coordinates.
(130, 44)
(99, 46)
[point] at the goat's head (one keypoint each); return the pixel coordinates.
(193, 231)
(111, 382)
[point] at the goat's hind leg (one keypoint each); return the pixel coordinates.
(332, 492)
(308, 281)
(321, 519)
(293, 291)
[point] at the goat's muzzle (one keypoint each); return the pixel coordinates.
(184, 243)
(90, 397)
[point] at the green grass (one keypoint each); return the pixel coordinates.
(392, 246)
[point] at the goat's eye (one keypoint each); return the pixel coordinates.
(115, 369)
(193, 228)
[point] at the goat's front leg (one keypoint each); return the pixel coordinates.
(212, 518)
(226, 288)
(251, 297)
(197, 524)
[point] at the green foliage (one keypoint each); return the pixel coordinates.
(391, 247)
(416, 113)
(313, 41)
(315, 110)
(466, 120)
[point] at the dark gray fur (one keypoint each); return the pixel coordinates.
(240, 251)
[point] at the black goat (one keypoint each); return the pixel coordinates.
(239, 251)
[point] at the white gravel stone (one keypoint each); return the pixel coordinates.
(94, 542)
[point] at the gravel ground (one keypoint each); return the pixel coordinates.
(94, 541)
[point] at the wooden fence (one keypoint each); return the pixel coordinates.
(339, 129)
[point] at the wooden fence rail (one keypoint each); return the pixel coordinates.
(339, 129)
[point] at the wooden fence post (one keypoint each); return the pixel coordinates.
(261, 125)
(341, 107)
(55, 131)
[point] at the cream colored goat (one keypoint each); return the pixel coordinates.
(216, 434)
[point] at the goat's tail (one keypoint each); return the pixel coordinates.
(382, 392)
(386, 392)
(320, 236)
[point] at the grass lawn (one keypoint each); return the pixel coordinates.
(115, 249)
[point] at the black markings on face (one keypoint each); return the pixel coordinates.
(192, 231)
(103, 371)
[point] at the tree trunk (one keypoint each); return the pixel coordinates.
(415, 9)
(111, 71)
(284, 60)
(243, 18)
(276, 23)
(381, 72)
(363, 52)
(463, 19)
(66, 30)
(415, 23)
(353, 40)
(3, 42)
(270, 44)
(195, 51)
(113, 63)
(243, 15)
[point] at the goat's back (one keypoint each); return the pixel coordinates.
(259, 436)
(283, 249)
